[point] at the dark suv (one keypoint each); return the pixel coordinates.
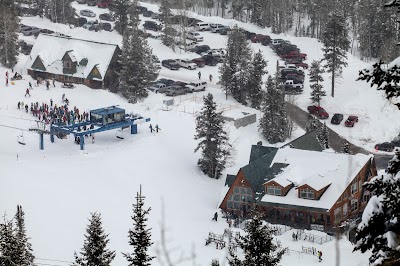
(151, 25)
(385, 146)
(210, 60)
(336, 119)
(171, 64)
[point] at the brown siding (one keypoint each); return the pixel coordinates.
(305, 186)
(239, 181)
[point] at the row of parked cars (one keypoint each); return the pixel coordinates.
(174, 88)
(98, 3)
(337, 118)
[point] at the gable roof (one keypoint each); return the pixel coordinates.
(318, 170)
(52, 48)
(258, 151)
(229, 180)
(307, 141)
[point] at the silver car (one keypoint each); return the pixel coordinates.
(158, 88)
(87, 13)
(175, 90)
(28, 31)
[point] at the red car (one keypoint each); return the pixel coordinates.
(318, 111)
(294, 54)
(260, 38)
(297, 62)
(351, 121)
(199, 62)
(104, 3)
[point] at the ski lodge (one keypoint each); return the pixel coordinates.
(70, 60)
(301, 186)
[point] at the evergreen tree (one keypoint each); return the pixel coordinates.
(323, 136)
(254, 81)
(9, 245)
(312, 124)
(24, 248)
(234, 70)
(215, 262)
(257, 245)
(168, 38)
(137, 65)
(336, 44)
(94, 251)
(274, 124)
(120, 10)
(139, 236)
(256, 9)
(213, 143)
(58, 11)
(346, 148)
(316, 82)
(8, 37)
(379, 230)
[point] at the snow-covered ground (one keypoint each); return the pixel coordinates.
(60, 186)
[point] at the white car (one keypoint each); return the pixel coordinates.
(196, 86)
(218, 53)
(186, 63)
(87, 13)
(195, 36)
(216, 27)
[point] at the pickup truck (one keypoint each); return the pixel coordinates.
(158, 88)
(293, 88)
(294, 54)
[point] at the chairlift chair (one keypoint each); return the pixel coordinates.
(119, 134)
(21, 139)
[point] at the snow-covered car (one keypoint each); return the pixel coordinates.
(87, 13)
(175, 90)
(218, 53)
(29, 31)
(195, 36)
(158, 88)
(186, 63)
(107, 17)
(89, 24)
(196, 86)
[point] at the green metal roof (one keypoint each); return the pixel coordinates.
(258, 151)
(229, 180)
(308, 142)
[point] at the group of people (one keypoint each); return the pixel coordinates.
(156, 128)
(15, 77)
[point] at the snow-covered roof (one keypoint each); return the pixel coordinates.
(318, 170)
(51, 49)
(235, 113)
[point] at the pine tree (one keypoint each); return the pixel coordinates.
(316, 82)
(137, 65)
(233, 72)
(94, 251)
(274, 124)
(257, 245)
(120, 10)
(312, 124)
(380, 226)
(256, 10)
(346, 148)
(323, 136)
(24, 248)
(60, 11)
(213, 143)
(9, 245)
(254, 81)
(139, 236)
(8, 37)
(336, 44)
(215, 262)
(165, 16)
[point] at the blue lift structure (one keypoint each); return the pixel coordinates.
(102, 119)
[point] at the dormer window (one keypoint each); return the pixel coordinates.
(67, 64)
(307, 194)
(274, 190)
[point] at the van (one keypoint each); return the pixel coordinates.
(203, 26)
(196, 86)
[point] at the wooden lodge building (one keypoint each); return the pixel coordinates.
(300, 185)
(70, 60)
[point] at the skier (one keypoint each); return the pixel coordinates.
(215, 216)
(319, 254)
(63, 97)
(211, 77)
(157, 128)
(47, 84)
(151, 128)
(54, 83)
(199, 74)
(6, 74)
(6, 81)
(27, 92)
(51, 102)
(30, 85)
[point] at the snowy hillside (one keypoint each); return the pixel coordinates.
(60, 186)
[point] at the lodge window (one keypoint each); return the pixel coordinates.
(354, 205)
(307, 194)
(366, 196)
(240, 199)
(67, 64)
(337, 214)
(345, 210)
(354, 187)
(274, 190)
(68, 78)
(359, 185)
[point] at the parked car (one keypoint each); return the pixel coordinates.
(224, 30)
(214, 52)
(210, 60)
(260, 37)
(158, 88)
(156, 16)
(294, 54)
(148, 14)
(91, 2)
(202, 26)
(81, 1)
(195, 36)
(167, 82)
(199, 62)
(181, 84)
(186, 63)
(215, 28)
(175, 90)
(293, 88)
(318, 111)
(90, 23)
(106, 26)
(141, 9)
(197, 86)
(106, 17)
(276, 41)
(151, 25)
(104, 3)
(87, 13)
(156, 61)
(170, 64)
(46, 31)
(201, 49)
(29, 31)
(297, 63)
(385, 146)
(337, 119)
(351, 120)
(249, 34)
(82, 21)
